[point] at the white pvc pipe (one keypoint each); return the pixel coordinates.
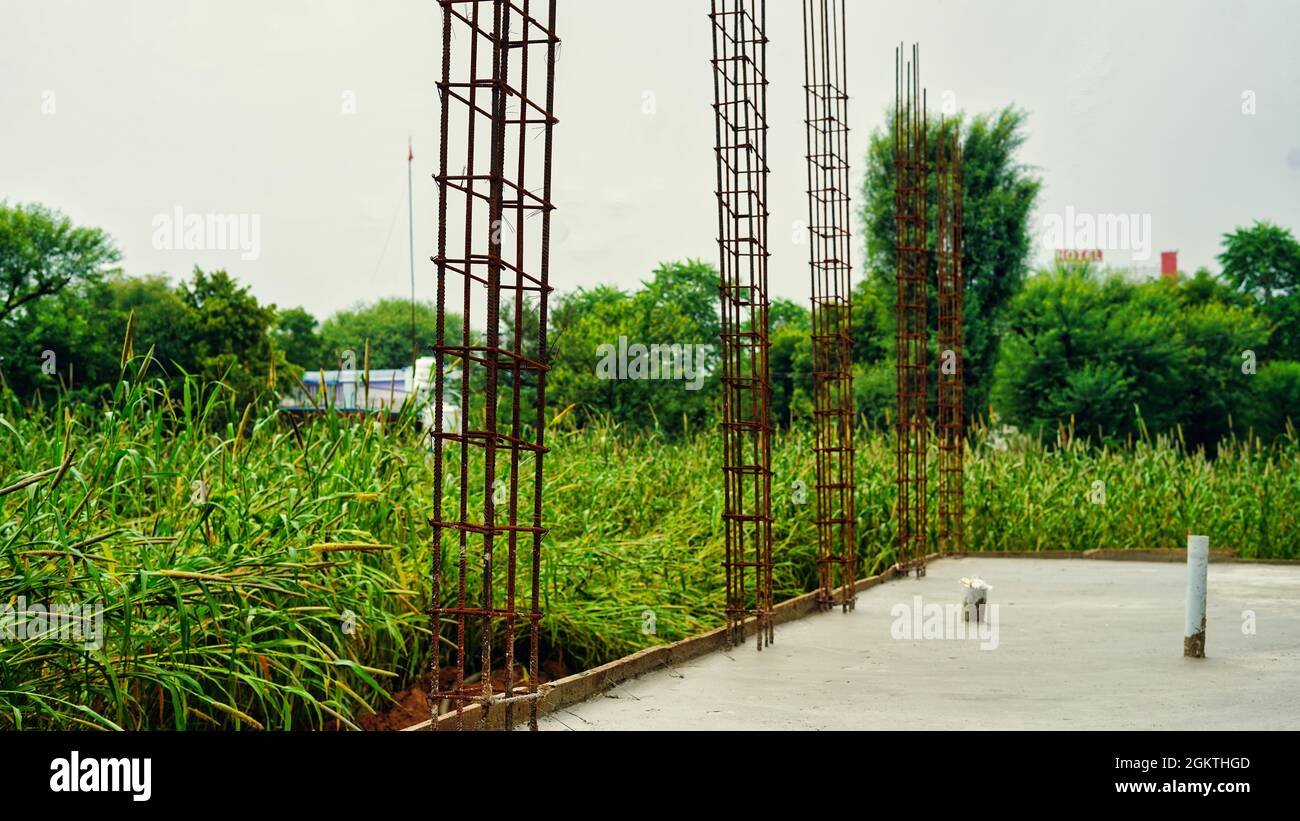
(1198, 559)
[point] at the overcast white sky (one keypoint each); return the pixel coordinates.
(115, 112)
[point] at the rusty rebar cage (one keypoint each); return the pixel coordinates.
(951, 376)
(912, 332)
(496, 112)
(831, 263)
(740, 114)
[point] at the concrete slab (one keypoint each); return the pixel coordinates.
(1079, 644)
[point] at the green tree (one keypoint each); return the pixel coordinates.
(1263, 260)
(1284, 314)
(42, 253)
(208, 326)
(164, 323)
(1263, 263)
(297, 333)
(1204, 287)
(873, 352)
(1275, 410)
(229, 334)
(1107, 356)
(676, 306)
(75, 333)
(387, 325)
(790, 361)
(691, 288)
(581, 322)
(54, 305)
(999, 193)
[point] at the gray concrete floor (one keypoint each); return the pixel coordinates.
(1081, 644)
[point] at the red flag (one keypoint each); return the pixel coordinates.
(410, 155)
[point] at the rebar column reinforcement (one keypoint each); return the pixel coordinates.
(952, 418)
(911, 251)
(740, 117)
(494, 231)
(830, 260)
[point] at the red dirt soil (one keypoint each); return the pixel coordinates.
(412, 705)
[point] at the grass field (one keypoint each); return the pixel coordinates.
(227, 559)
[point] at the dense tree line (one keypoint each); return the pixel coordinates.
(65, 311)
(1111, 359)
(1071, 348)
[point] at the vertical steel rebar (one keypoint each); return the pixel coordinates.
(740, 121)
(830, 260)
(488, 110)
(952, 418)
(912, 333)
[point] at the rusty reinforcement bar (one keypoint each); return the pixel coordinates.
(740, 119)
(582, 686)
(496, 126)
(951, 377)
(912, 331)
(831, 263)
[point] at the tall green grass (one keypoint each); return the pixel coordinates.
(1032, 497)
(227, 555)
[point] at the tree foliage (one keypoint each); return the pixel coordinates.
(208, 326)
(1263, 260)
(386, 323)
(999, 193)
(297, 333)
(676, 306)
(1109, 358)
(42, 253)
